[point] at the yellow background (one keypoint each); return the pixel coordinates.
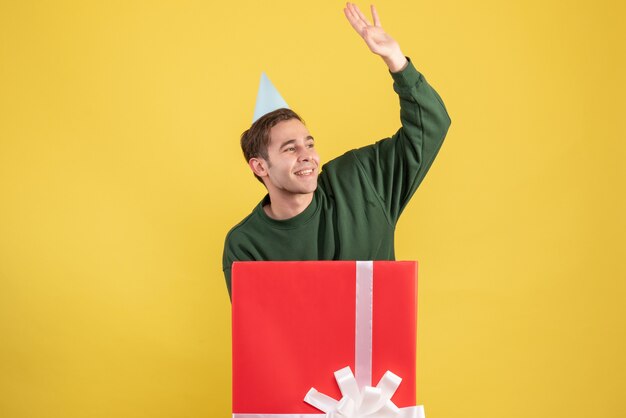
(120, 174)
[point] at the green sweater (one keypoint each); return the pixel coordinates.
(360, 195)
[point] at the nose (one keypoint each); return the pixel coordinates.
(306, 155)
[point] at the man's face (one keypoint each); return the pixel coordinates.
(293, 164)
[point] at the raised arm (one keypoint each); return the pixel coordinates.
(397, 165)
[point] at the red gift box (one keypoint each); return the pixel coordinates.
(296, 323)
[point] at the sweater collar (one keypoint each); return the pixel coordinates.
(300, 219)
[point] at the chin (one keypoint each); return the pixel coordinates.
(306, 190)
(312, 187)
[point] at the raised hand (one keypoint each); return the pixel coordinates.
(377, 40)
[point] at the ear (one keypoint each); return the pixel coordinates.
(258, 166)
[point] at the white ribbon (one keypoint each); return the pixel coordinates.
(363, 323)
(371, 402)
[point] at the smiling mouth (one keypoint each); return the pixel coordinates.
(307, 172)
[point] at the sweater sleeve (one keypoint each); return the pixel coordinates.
(397, 165)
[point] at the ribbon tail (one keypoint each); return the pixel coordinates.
(320, 401)
(412, 412)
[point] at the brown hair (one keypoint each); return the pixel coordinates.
(255, 140)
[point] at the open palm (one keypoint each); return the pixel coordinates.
(377, 40)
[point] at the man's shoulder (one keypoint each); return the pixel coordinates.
(351, 164)
(239, 230)
(341, 163)
(348, 158)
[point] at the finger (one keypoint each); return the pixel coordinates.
(361, 15)
(354, 20)
(354, 14)
(351, 19)
(375, 16)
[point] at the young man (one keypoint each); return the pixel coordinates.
(348, 210)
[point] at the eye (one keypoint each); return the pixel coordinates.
(311, 145)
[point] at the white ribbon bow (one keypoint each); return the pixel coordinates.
(373, 402)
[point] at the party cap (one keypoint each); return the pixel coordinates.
(268, 99)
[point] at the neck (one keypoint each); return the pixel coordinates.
(281, 208)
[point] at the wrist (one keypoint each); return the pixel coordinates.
(396, 62)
